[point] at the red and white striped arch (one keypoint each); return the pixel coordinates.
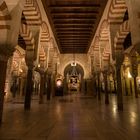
(106, 54)
(45, 35)
(96, 53)
(4, 16)
(44, 43)
(104, 36)
(117, 11)
(121, 35)
(51, 53)
(42, 57)
(104, 31)
(32, 13)
(27, 36)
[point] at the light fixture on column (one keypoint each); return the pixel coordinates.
(38, 65)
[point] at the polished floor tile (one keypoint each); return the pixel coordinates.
(72, 118)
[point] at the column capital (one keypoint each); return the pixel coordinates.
(4, 58)
(30, 66)
(30, 63)
(40, 70)
(49, 72)
(6, 51)
(137, 47)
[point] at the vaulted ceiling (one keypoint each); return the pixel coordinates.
(74, 22)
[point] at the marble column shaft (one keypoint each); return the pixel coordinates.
(42, 82)
(135, 74)
(29, 89)
(49, 87)
(106, 88)
(99, 87)
(3, 66)
(119, 89)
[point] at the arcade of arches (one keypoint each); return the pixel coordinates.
(34, 63)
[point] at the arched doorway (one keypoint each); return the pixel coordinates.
(73, 81)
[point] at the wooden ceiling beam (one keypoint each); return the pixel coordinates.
(72, 5)
(75, 10)
(71, 37)
(74, 41)
(75, 16)
(74, 46)
(75, 32)
(74, 22)
(72, 33)
(73, 26)
(72, 12)
(72, 29)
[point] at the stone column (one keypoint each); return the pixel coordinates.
(134, 72)
(29, 88)
(135, 87)
(119, 89)
(8, 80)
(94, 85)
(42, 86)
(49, 86)
(106, 87)
(125, 87)
(119, 60)
(3, 66)
(114, 83)
(99, 86)
(134, 20)
(53, 84)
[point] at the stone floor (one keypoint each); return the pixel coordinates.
(72, 118)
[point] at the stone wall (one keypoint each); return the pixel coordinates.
(81, 59)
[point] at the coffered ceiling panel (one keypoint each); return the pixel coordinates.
(74, 22)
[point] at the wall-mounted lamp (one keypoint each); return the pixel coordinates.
(20, 70)
(38, 65)
(139, 80)
(59, 83)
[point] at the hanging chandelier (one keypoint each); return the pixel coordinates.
(73, 63)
